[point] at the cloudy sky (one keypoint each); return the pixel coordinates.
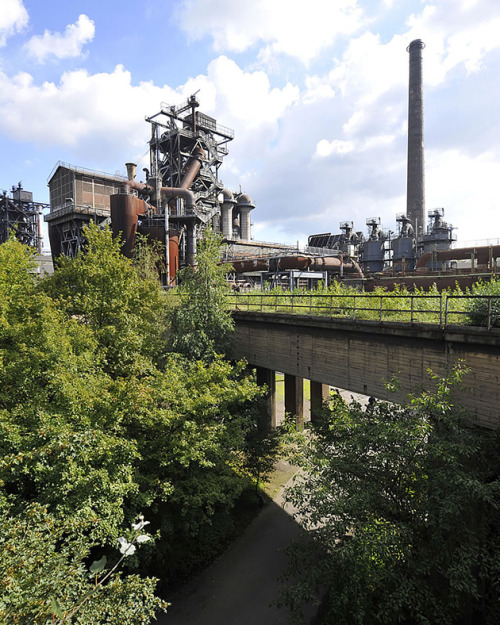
(315, 90)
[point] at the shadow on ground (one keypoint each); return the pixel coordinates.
(242, 585)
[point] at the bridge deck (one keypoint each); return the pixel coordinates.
(362, 356)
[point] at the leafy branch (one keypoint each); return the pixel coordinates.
(126, 549)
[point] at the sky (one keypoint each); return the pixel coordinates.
(316, 92)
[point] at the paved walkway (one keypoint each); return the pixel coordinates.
(240, 587)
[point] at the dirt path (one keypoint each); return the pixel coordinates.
(241, 586)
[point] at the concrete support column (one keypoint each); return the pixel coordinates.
(267, 377)
(319, 394)
(294, 398)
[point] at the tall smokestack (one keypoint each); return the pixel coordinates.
(415, 190)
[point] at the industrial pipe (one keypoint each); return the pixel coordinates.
(131, 169)
(193, 168)
(301, 263)
(482, 255)
(175, 192)
(145, 189)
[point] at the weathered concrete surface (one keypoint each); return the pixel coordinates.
(362, 356)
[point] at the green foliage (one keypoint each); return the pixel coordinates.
(341, 301)
(262, 443)
(201, 326)
(125, 308)
(483, 307)
(98, 423)
(44, 576)
(402, 506)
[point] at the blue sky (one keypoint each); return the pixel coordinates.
(315, 91)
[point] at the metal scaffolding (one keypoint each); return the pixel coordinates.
(20, 215)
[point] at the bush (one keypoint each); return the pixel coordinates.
(478, 308)
(402, 506)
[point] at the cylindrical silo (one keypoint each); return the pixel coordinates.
(245, 206)
(227, 214)
(415, 191)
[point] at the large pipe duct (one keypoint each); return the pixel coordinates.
(170, 193)
(483, 255)
(300, 263)
(415, 195)
(193, 168)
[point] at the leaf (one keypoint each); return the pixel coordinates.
(143, 538)
(55, 607)
(140, 524)
(125, 547)
(98, 565)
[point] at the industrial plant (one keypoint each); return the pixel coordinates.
(181, 193)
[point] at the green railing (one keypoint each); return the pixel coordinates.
(443, 310)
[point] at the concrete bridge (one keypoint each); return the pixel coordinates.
(362, 356)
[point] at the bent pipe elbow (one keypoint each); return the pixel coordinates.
(139, 186)
(178, 192)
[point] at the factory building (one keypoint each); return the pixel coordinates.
(78, 196)
(182, 194)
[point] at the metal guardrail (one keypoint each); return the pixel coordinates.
(443, 310)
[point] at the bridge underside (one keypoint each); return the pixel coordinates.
(363, 356)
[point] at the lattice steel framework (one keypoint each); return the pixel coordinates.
(173, 144)
(20, 214)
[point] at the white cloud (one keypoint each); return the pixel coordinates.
(326, 148)
(247, 97)
(455, 34)
(92, 115)
(291, 27)
(62, 45)
(471, 200)
(13, 18)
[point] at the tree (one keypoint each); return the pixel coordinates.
(98, 423)
(65, 469)
(262, 443)
(124, 306)
(402, 508)
(45, 577)
(201, 326)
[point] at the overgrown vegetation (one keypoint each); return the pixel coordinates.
(100, 423)
(402, 504)
(418, 305)
(201, 326)
(482, 309)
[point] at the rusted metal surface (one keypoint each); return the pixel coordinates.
(482, 255)
(125, 209)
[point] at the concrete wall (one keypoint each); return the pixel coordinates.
(363, 356)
